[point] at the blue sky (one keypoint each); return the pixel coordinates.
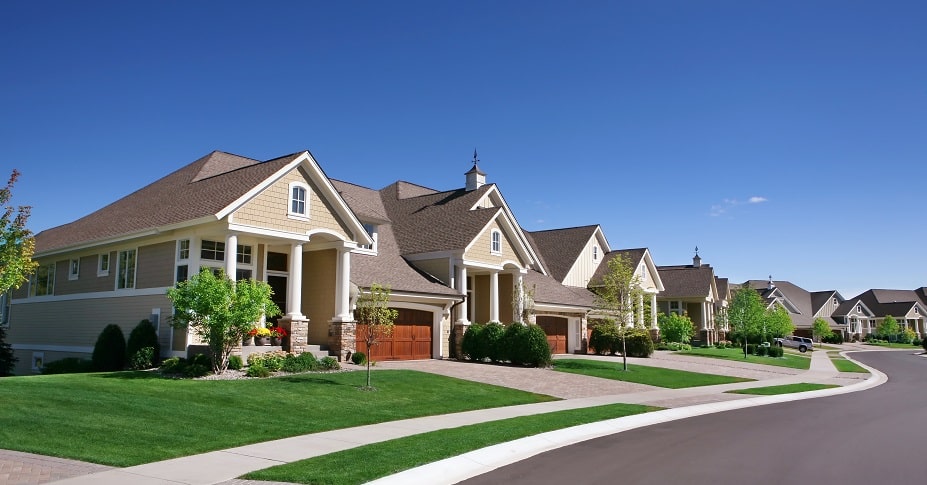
(783, 138)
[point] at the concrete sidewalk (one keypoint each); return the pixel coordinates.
(222, 467)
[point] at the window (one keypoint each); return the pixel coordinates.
(5, 306)
(372, 231)
(38, 359)
(496, 247)
(43, 281)
(103, 265)
(243, 255)
(834, 301)
(125, 278)
(242, 274)
(183, 249)
(212, 250)
(299, 199)
(859, 309)
(74, 269)
(675, 307)
(183, 273)
(595, 253)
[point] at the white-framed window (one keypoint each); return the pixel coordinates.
(74, 269)
(372, 231)
(859, 309)
(6, 304)
(299, 200)
(183, 273)
(675, 306)
(103, 264)
(43, 280)
(595, 253)
(243, 254)
(242, 274)
(38, 360)
(834, 301)
(125, 275)
(496, 245)
(212, 250)
(183, 249)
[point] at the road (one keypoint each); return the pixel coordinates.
(877, 436)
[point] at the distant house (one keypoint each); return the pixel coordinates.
(862, 314)
(692, 290)
(803, 306)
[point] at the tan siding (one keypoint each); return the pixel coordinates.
(155, 265)
(438, 268)
(506, 293)
(481, 290)
(259, 264)
(482, 249)
(87, 280)
(269, 209)
(319, 292)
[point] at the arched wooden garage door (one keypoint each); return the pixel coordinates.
(556, 329)
(411, 338)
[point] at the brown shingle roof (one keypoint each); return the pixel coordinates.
(198, 190)
(561, 247)
(633, 256)
(366, 203)
(686, 281)
(549, 290)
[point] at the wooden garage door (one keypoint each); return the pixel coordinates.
(410, 340)
(556, 329)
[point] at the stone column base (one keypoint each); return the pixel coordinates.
(457, 335)
(342, 339)
(655, 335)
(297, 329)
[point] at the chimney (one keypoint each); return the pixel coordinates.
(475, 177)
(696, 260)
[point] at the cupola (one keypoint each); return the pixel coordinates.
(475, 177)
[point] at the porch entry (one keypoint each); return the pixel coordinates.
(411, 338)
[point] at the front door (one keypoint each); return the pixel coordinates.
(278, 285)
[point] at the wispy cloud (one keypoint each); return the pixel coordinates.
(728, 204)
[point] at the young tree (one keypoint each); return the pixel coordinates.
(888, 328)
(675, 328)
(220, 311)
(16, 243)
(778, 323)
(523, 302)
(616, 295)
(746, 314)
(373, 312)
(820, 329)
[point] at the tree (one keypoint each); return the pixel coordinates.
(523, 302)
(746, 313)
(373, 312)
(820, 329)
(888, 328)
(220, 311)
(675, 328)
(778, 323)
(16, 242)
(616, 295)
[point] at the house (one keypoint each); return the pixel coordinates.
(803, 306)
(862, 314)
(648, 277)
(691, 290)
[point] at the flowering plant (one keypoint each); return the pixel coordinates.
(277, 332)
(259, 332)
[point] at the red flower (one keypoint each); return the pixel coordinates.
(277, 332)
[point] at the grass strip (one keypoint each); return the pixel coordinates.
(845, 365)
(792, 361)
(783, 389)
(129, 418)
(640, 374)
(894, 345)
(369, 462)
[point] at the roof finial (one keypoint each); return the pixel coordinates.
(475, 160)
(771, 285)
(696, 250)
(696, 260)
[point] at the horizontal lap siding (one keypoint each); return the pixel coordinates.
(155, 268)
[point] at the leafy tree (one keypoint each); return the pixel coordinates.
(372, 311)
(675, 328)
(820, 329)
(888, 327)
(616, 295)
(746, 314)
(220, 311)
(523, 302)
(16, 242)
(777, 323)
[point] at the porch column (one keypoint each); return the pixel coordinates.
(520, 282)
(231, 255)
(494, 296)
(640, 309)
(653, 310)
(343, 286)
(294, 287)
(462, 288)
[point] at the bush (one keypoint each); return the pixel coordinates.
(109, 353)
(173, 365)
(675, 328)
(776, 351)
(202, 359)
(637, 342)
(924, 344)
(196, 370)
(762, 350)
(68, 365)
(272, 361)
(358, 358)
(257, 370)
(908, 336)
(7, 358)
(142, 359)
(513, 343)
(142, 336)
(604, 338)
(537, 350)
(833, 338)
(235, 362)
(751, 349)
(491, 340)
(300, 363)
(329, 363)
(470, 346)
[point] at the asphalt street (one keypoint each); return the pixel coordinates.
(873, 436)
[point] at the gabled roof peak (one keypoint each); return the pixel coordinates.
(218, 163)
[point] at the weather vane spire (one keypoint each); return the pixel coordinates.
(475, 159)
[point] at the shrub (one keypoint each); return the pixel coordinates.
(142, 358)
(358, 358)
(7, 358)
(762, 350)
(173, 365)
(603, 338)
(924, 344)
(329, 363)
(109, 353)
(675, 328)
(299, 363)
(491, 340)
(751, 349)
(470, 346)
(257, 370)
(674, 346)
(235, 362)
(513, 343)
(68, 365)
(833, 338)
(202, 359)
(638, 342)
(272, 361)
(196, 370)
(776, 351)
(908, 336)
(142, 336)
(537, 350)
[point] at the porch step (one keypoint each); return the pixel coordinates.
(318, 351)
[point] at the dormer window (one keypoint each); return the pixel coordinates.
(859, 309)
(372, 231)
(299, 200)
(496, 246)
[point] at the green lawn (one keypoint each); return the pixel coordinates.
(389, 457)
(846, 365)
(654, 376)
(783, 389)
(895, 345)
(794, 361)
(129, 418)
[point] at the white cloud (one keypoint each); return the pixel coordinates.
(757, 199)
(727, 204)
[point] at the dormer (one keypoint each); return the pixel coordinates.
(475, 177)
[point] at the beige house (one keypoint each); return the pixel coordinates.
(692, 290)
(863, 313)
(651, 284)
(803, 306)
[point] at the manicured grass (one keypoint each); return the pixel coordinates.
(389, 457)
(783, 389)
(640, 374)
(794, 361)
(129, 418)
(894, 345)
(846, 365)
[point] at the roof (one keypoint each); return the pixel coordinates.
(549, 290)
(366, 203)
(797, 296)
(724, 289)
(200, 189)
(890, 302)
(560, 248)
(686, 281)
(633, 256)
(820, 298)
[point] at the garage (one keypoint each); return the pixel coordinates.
(556, 329)
(410, 340)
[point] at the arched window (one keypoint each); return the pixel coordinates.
(496, 247)
(299, 200)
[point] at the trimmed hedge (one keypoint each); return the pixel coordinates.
(143, 336)
(776, 351)
(109, 352)
(68, 365)
(516, 343)
(606, 339)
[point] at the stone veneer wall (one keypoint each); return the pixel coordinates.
(297, 330)
(342, 340)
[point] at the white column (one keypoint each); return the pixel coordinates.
(653, 310)
(494, 296)
(640, 309)
(520, 282)
(294, 286)
(343, 286)
(231, 255)
(704, 317)
(462, 287)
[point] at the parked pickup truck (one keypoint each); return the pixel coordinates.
(801, 343)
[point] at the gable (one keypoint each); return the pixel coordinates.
(480, 250)
(586, 264)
